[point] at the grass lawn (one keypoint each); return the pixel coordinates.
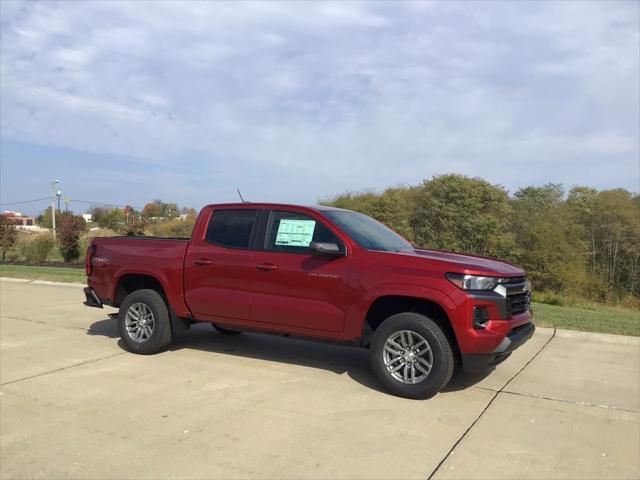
(601, 318)
(55, 274)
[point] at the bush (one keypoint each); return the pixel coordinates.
(172, 228)
(113, 219)
(8, 234)
(71, 226)
(549, 298)
(37, 248)
(85, 239)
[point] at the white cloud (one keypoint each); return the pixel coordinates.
(381, 92)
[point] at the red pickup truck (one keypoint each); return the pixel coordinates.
(322, 273)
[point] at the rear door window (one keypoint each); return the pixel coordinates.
(231, 228)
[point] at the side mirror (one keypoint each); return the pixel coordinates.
(328, 249)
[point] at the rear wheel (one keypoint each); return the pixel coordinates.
(225, 331)
(411, 356)
(144, 323)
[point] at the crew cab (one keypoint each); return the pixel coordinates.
(322, 273)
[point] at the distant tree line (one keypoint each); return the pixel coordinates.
(157, 218)
(74, 233)
(583, 242)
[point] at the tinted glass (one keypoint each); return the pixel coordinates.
(293, 232)
(367, 232)
(231, 228)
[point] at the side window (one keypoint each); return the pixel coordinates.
(293, 232)
(231, 228)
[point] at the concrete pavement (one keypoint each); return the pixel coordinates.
(73, 404)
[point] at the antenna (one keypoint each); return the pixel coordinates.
(238, 190)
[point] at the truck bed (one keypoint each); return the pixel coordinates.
(112, 258)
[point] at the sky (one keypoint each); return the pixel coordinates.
(128, 101)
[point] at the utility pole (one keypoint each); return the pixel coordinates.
(59, 194)
(54, 184)
(66, 201)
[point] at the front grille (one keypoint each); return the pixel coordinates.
(518, 295)
(518, 303)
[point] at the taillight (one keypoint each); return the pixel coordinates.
(91, 249)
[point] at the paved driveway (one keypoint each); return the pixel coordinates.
(74, 404)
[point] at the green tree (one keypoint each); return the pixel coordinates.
(551, 243)
(152, 210)
(170, 210)
(455, 212)
(69, 231)
(97, 213)
(8, 234)
(615, 228)
(587, 244)
(610, 220)
(392, 207)
(113, 219)
(158, 210)
(44, 219)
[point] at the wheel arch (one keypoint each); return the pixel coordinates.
(385, 306)
(131, 281)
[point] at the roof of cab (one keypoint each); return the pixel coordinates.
(271, 205)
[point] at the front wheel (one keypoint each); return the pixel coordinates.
(411, 356)
(144, 323)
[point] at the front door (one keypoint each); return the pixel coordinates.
(293, 287)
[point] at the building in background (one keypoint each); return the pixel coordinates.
(23, 222)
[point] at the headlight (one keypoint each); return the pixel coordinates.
(472, 282)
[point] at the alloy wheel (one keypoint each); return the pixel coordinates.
(407, 357)
(139, 322)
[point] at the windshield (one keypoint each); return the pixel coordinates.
(367, 232)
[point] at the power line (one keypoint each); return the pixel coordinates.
(103, 203)
(70, 201)
(25, 201)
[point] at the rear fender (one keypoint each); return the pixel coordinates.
(172, 287)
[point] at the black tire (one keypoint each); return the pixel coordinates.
(441, 355)
(225, 331)
(160, 337)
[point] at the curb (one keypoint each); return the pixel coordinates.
(599, 337)
(42, 282)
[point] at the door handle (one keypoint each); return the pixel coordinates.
(202, 261)
(266, 266)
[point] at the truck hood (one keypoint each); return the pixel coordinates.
(466, 263)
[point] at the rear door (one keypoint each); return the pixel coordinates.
(219, 266)
(293, 287)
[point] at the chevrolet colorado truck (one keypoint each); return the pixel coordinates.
(321, 273)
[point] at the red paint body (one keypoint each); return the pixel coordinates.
(299, 293)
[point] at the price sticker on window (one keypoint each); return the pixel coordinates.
(295, 233)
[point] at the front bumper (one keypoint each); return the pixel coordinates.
(474, 362)
(501, 312)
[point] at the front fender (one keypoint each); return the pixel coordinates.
(358, 314)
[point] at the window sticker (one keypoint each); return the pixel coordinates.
(295, 233)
